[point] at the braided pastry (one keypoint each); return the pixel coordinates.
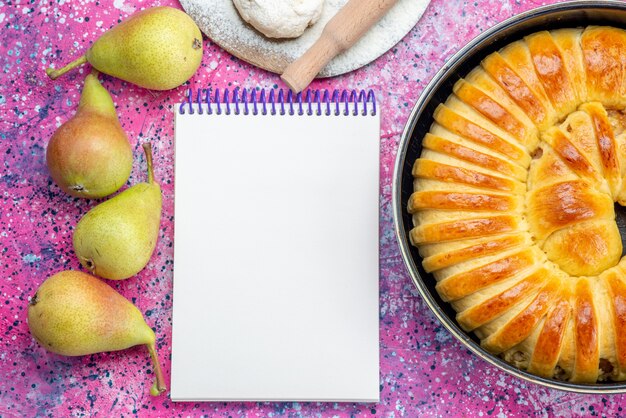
(513, 203)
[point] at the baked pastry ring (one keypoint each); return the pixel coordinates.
(513, 203)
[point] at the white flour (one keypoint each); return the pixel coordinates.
(219, 20)
(280, 18)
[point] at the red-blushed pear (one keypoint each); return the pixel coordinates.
(75, 314)
(89, 155)
(116, 239)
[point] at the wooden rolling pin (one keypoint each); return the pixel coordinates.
(340, 33)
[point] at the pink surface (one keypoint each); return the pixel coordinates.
(424, 371)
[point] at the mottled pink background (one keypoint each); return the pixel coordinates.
(423, 370)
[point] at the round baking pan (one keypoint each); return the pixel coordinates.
(560, 15)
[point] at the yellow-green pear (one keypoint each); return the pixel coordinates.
(75, 314)
(158, 48)
(115, 239)
(89, 155)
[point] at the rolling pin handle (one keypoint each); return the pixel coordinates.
(339, 34)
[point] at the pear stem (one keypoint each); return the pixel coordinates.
(54, 74)
(159, 384)
(147, 148)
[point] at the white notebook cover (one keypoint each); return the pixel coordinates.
(276, 258)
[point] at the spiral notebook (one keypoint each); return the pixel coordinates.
(276, 247)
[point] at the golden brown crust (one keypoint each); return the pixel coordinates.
(586, 331)
(473, 156)
(520, 327)
(463, 284)
(603, 51)
(459, 125)
(512, 83)
(450, 174)
(585, 249)
(617, 293)
(561, 204)
(465, 228)
(568, 41)
(461, 201)
(570, 155)
(493, 307)
(548, 169)
(517, 56)
(480, 249)
(580, 132)
(492, 110)
(548, 347)
(484, 82)
(552, 72)
(513, 203)
(607, 146)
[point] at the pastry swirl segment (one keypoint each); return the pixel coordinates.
(513, 203)
(551, 71)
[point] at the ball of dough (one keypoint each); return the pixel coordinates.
(280, 18)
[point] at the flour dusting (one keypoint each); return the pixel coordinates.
(219, 20)
(280, 18)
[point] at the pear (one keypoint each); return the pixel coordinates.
(158, 48)
(115, 239)
(75, 314)
(89, 155)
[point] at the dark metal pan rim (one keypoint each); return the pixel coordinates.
(566, 14)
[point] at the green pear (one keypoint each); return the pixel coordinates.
(115, 239)
(75, 314)
(89, 155)
(158, 48)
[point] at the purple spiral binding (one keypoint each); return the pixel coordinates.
(281, 100)
(236, 100)
(277, 101)
(326, 99)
